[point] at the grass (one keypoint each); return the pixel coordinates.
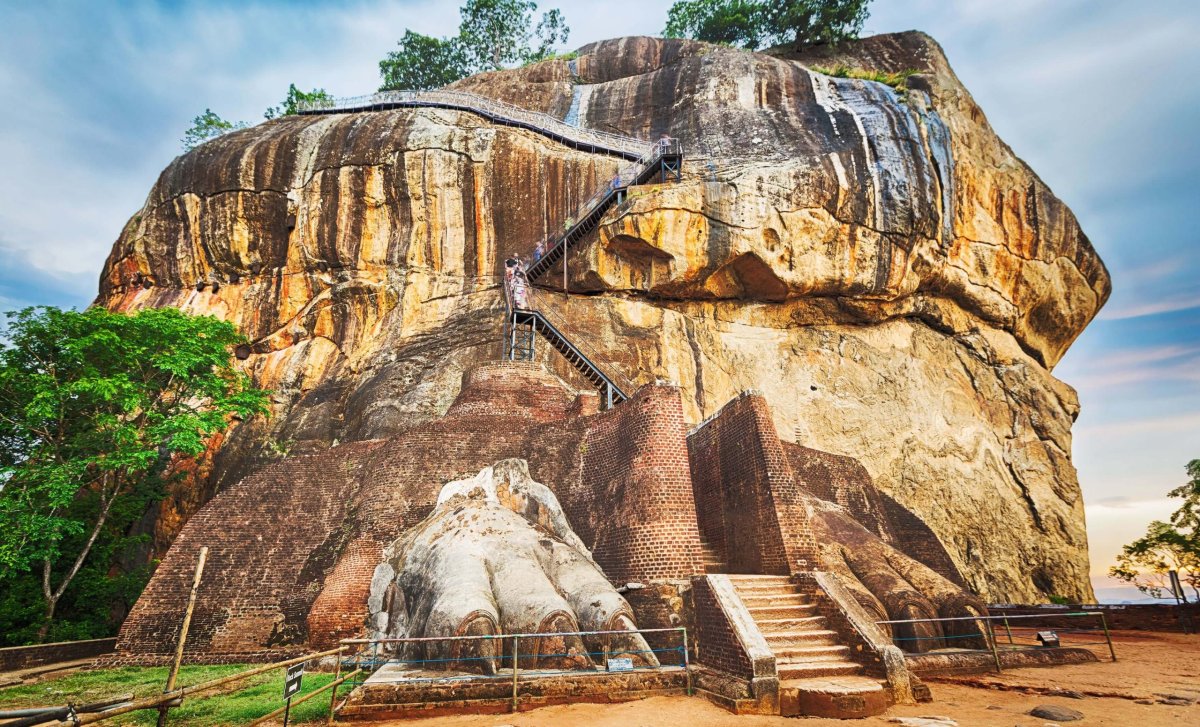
(247, 699)
(898, 80)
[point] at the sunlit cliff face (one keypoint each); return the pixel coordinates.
(878, 264)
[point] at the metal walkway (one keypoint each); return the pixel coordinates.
(518, 344)
(582, 139)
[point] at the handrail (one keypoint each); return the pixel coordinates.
(559, 325)
(625, 177)
(627, 146)
(535, 317)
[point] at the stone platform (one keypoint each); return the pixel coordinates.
(967, 661)
(397, 691)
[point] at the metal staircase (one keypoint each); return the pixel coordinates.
(518, 346)
(663, 158)
(665, 162)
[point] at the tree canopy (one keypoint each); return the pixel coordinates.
(208, 125)
(94, 406)
(291, 103)
(493, 34)
(1167, 546)
(755, 23)
(423, 62)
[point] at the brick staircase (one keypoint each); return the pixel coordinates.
(711, 559)
(816, 675)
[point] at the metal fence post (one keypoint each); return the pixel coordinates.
(995, 651)
(1108, 636)
(687, 665)
(515, 661)
(1007, 629)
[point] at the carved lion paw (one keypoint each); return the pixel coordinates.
(497, 556)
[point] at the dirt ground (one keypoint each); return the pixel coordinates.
(1150, 667)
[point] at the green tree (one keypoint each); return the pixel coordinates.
(498, 33)
(801, 23)
(1167, 546)
(208, 126)
(93, 406)
(731, 22)
(423, 62)
(753, 23)
(291, 103)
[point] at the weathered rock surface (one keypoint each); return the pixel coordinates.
(893, 278)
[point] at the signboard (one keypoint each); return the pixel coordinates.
(1048, 638)
(620, 663)
(291, 682)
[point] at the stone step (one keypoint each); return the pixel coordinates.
(791, 624)
(740, 578)
(777, 612)
(800, 639)
(813, 669)
(793, 600)
(812, 652)
(842, 697)
(767, 589)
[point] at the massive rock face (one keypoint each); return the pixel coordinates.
(881, 266)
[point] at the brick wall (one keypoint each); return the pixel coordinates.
(13, 658)
(293, 547)
(717, 645)
(636, 485)
(271, 538)
(1132, 617)
(738, 461)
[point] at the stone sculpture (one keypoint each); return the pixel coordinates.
(497, 556)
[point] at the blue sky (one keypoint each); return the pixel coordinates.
(1101, 97)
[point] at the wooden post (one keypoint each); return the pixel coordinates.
(183, 632)
(995, 651)
(337, 673)
(1108, 636)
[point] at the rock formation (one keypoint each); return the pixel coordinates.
(882, 267)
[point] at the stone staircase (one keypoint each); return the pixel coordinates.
(816, 675)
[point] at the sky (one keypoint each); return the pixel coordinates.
(1100, 97)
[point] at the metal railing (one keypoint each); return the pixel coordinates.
(627, 146)
(1019, 637)
(507, 661)
(625, 177)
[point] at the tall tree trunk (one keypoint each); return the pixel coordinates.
(52, 596)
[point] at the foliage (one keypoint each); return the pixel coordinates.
(754, 23)
(241, 704)
(493, 34)
(1167, 546)
(897, 80)
(291, 103)
(208, 126)
(730, 22)
(93, 407)
(801, 23)
(423, 62)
